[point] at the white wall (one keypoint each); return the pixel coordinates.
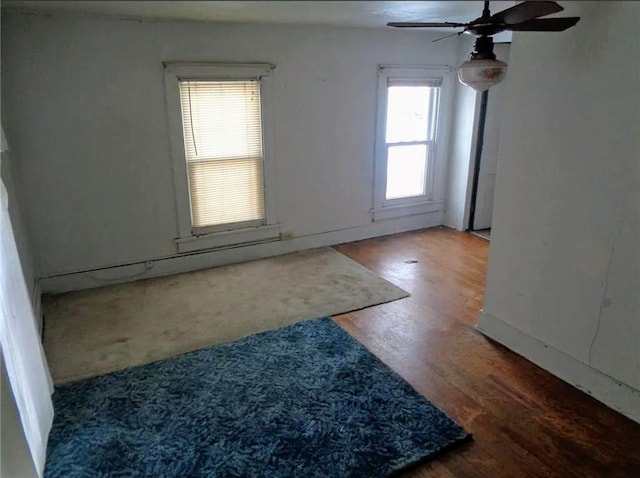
(8, 175)
(84, 103)
(15, 460)
(564, 270)
(22, 352)
(27, 411)
(22, 237)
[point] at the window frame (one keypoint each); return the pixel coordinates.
(427, 202)
(221, 234)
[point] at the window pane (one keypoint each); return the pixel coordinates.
(225, 192)
(408, 113)
(406, 171)
(222, 125)
(221, 119)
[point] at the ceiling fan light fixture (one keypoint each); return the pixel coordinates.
(482, 74)
(483, 70)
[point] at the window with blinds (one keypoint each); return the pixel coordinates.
(222, 127)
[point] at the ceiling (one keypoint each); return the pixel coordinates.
(337, 13)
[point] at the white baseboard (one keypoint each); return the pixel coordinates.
(156, 267)
(600, 386)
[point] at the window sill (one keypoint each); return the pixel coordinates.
(400, 210)
(237, 237)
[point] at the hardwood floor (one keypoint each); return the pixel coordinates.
(525, 422)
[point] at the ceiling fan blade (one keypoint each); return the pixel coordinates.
(525, 11)
(545, 25)
(446, 36)
(425, 25)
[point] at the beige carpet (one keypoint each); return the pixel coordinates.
(96, 331)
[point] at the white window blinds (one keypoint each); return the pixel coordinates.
(223, 144)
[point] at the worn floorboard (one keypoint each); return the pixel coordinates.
(525, 422)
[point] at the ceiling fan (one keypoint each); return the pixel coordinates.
(483, 70)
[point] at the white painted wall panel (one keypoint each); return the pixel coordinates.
(15, 459)
(565, 249)
(22, 352)
(83, 99)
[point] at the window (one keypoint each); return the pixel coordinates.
(409, 113)
(222, 131)
(220, 145)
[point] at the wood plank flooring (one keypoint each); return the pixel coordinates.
(525, 422)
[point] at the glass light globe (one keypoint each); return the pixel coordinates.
(482, 74)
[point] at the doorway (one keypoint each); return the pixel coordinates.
(486, 154)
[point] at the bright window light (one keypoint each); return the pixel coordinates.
(406, 171)
(408, 113)
(409, 134)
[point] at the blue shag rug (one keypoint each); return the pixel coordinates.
(306, 400)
